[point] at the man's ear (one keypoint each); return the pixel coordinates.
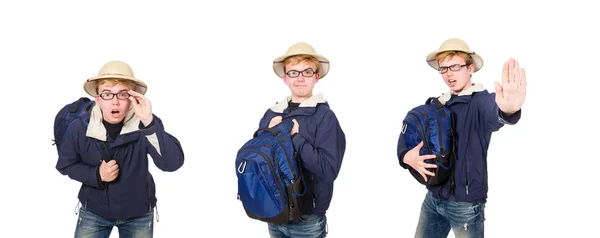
(317, 77)
(471, 68)
(96, 99)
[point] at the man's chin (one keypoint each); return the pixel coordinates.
(113, 120)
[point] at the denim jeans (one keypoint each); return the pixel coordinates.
(306, 226)
(438, 216)
(90, 225)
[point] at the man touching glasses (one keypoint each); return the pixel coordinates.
(317, 137)
(478, 113)
(107, 151)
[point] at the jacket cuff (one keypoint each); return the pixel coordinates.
(99, 179)
(141, 126)
(401, 159)
(509, 119)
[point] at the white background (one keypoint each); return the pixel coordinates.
(208, 67)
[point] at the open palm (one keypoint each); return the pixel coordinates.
(511, 94)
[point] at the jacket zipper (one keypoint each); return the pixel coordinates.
(107, 198)
(314, 199)
(467, 176)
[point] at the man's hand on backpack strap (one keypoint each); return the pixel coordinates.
(109, 171)
(296, 127)
(274, 121)
(511, 94)
(416, 161)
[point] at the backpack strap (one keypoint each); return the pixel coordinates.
(435, 101)
(438, 104)
(104, 150)
(101, 146)
(454, 154)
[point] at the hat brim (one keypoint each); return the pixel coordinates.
(323, 64)
(477, 60)
(90, 84)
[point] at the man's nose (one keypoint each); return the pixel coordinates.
(115, 100)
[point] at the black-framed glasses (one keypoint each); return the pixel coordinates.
(454, 67)
(122, 95)
(305, 73)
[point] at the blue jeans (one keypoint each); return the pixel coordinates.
(438, 216)
(306, 226)
(90, 225)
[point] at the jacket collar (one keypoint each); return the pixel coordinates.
(280, 106)
(475, 87)
(97, 130)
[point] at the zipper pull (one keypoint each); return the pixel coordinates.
(467, 189)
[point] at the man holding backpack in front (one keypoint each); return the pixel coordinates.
(316, 134)
(477, 114)
(106, 149)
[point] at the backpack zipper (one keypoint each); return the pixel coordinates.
(271, 168)
(425, 142)
(439, 129)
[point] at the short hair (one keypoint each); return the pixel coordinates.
(112, 81)
(296, 59)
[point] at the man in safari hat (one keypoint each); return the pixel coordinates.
(478, 114)
(106, 150)
(316, 134)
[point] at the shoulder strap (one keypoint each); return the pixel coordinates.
(435, 101)
(454, 155)
(101, 145)
(104, 150)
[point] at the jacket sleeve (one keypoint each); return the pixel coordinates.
(264, 121)
(164, 148)
(70, 163)
(401, 151)
(493, 116)
(324, 158)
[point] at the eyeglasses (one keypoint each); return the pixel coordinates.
(305, 73)
(120, 95)
(454, 67)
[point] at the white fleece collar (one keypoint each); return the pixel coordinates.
(311, 102)
(476, 87)
(97, 130)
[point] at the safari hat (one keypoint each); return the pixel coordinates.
(454, 44)
(114, 70)
(301, 49)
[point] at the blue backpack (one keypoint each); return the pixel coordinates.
(68, 114)
(432, 123)
(269, 175)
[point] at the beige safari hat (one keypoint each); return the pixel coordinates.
(301, 49)
(454, 44)
(114, 70)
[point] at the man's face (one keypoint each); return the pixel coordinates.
(457, 75)
(113, 110)
(300, 85)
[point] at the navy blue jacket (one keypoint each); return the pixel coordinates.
(477, 116)
(132, 193)
(321, 144)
